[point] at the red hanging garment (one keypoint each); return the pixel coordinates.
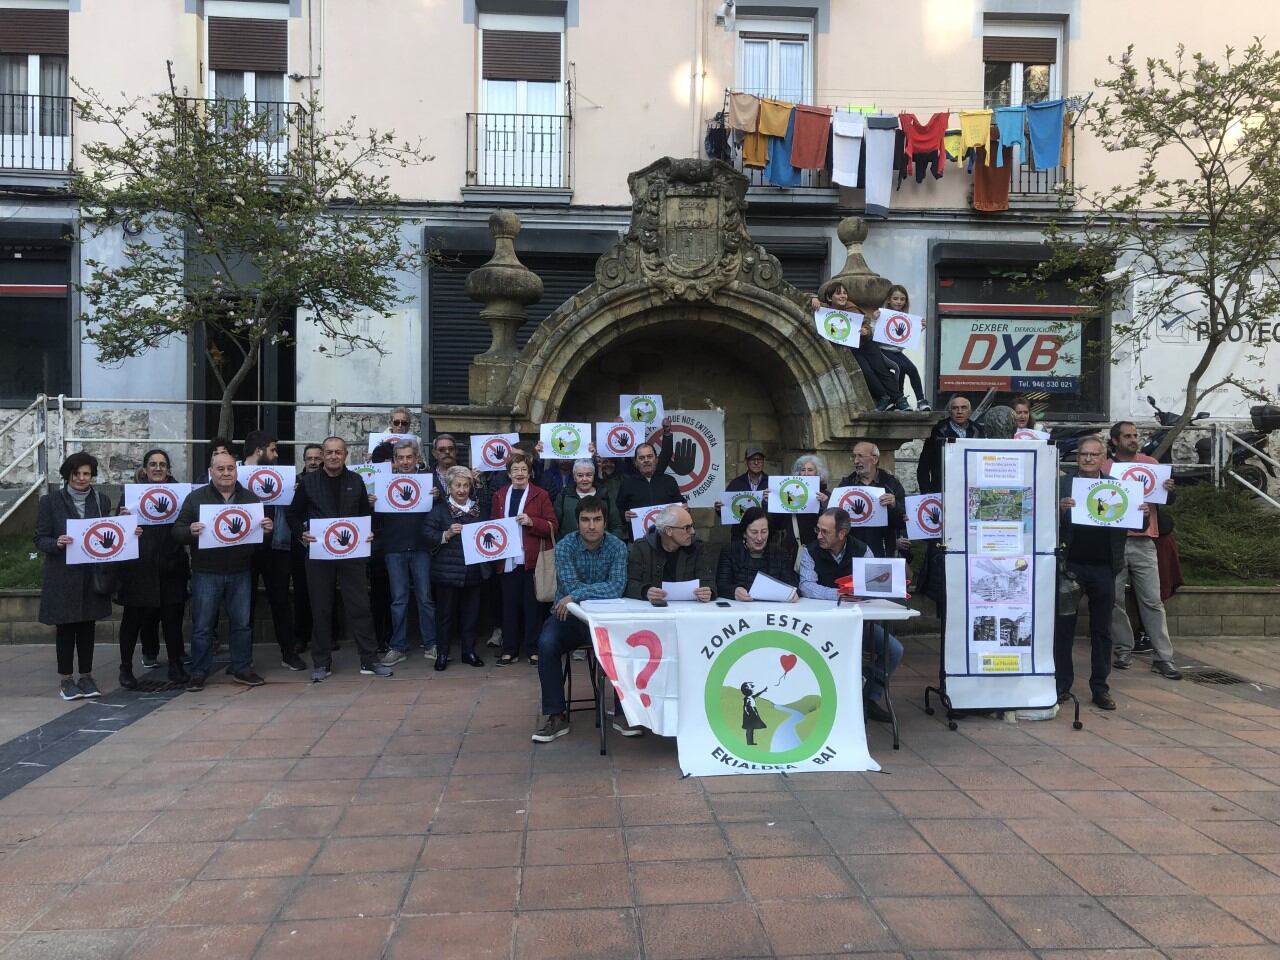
(923, 142)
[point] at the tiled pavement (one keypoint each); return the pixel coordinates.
(413, 818)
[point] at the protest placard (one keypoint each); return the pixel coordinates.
(839, 326)
(492, 540)
(898, 329)
(1152, 476)
(924, 517)
(1103, 502)
(489, 451)
(733, 504)
(793, 494)
(102, 540)
(340, 538)
(644, 517)
(643, 408)
(862, 504)
(402, 493)
(273, 485)
(375, 439)
(618, 439)
(229, 525)
(368, 471)
(152, 504)
(564, 441)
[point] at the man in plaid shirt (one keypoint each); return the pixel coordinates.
(590, 565)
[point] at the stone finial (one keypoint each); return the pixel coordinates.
(505, 287)
(866, 288)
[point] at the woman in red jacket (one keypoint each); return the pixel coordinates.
(522, 614)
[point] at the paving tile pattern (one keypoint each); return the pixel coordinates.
(414, 818)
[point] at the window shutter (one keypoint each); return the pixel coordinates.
(33, 31)
(241, 43)
(521, 55)
(1019, 50)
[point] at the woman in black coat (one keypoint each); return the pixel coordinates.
(68, 600)
(750, 553)
(153, 590)
(457, 584)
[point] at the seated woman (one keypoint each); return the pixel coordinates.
(884, 380)
(751, 553)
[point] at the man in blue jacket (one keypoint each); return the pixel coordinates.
(401, 538)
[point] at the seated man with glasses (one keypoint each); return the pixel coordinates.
(825, 561)
(669, 553)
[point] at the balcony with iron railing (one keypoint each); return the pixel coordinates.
(520, 153)
(273, 129)
(35, 133)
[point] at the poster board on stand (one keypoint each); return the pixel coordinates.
(1001, 574)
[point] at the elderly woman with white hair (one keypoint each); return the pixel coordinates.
(810, 465)
(586, 484)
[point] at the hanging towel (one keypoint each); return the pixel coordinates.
(879, 149)
(1011, 121)
(951, 143)
(774, 117)
(991, 183)
(813, 132)
(744, 111)
(847, 130)
(779, 171)
(923, 139)
(1044, 122)
(974, 127)
(755, 150)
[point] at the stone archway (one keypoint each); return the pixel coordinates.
(686, 285)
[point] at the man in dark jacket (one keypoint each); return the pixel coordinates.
(891, 540)
(670, 552)
(219, 576)
(956, 425)
(822, 563)
(649, 484)
(334, 491)
(1094, 556)
(402, 540)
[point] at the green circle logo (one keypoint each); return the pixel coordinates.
(770, 698)
(838, 325)
(741, 503)
(643, 409)
(794, 495)
(566, 440)
(1107, 502)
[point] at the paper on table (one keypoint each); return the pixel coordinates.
(765, 587)
(681, 590)
(615, 602)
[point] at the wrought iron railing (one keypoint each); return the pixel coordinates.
(277, 126)
(35, 132)
(521, 151)
(809, 179)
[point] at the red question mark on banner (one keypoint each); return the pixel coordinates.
(649, 640)
(604, 653)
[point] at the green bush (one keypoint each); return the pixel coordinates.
(17, 570)
(1226, 533)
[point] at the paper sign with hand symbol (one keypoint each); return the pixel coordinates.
(102, 540)
(152, 504)
(402, 493)
(272, 485)
(901, 330)
(340, 538)
(229, 525)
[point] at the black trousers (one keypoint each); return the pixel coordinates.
(275, 567)
(301, 599)
(325, 578)
(457, 612)
(1099, 585)
(149, 622)
(380, 601)
(881, 377)
(74, 641)
(522, 614)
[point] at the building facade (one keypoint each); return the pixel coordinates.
(543, 107)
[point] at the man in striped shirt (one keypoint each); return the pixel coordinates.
(590, 565)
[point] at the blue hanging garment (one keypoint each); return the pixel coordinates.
(779, 171)
(1044, 123)
(1010, 121)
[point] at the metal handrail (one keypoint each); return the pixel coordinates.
(22, 413)
(38, 448)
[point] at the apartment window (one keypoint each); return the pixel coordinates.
(521, 132)
(248, 58)
(34, 321)
(775, 58)
(1021, 62)
(35, 112)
